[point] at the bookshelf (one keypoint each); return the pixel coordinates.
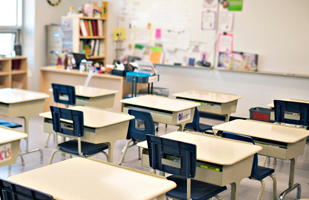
(86, 35)
(13, 72)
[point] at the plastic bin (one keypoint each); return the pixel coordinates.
(259, 113)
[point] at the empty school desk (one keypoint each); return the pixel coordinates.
(94, 97)
(80, 179)
(99, 126)
(277, 141)
(212, 102)
(9, 145)
(24, 104)
(163, 110)
(219, 161)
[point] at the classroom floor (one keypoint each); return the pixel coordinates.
(248, 188)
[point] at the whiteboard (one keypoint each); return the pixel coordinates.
(276, 30)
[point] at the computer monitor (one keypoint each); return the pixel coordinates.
(78, 57)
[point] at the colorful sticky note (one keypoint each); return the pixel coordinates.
(119, 34)
(155, 55)
(158, 33)
(235, 5)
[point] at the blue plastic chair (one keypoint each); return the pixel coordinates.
(196, 125)
(64, 90)
(258, 172)
(139, 127)
(59, 91)
(13, 191)
(75, 131)
(187, 188)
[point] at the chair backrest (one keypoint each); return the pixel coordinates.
(161, 149)
(75, 116)
(291, 112)
(196, 118)
(138, 133)
(59, 91)
(13, 191)
(244, 138)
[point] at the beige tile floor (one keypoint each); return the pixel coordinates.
(248, 188)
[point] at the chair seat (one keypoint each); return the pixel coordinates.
(199, 190)
(263, 172)
(189, 126)
(9, 124)
(88, 149)
(203, 127)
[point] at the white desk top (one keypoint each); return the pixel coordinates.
(161, 103)
(96, 117)
(92, 91)
(208, 96)
(264, 130)
(271, 105)
(213, 149)
(13, 95)
(9, 135)
(80, 179)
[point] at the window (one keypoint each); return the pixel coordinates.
(10, 25)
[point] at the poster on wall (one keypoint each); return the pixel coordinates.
(208, 20)
(225, 42)
(238, 61)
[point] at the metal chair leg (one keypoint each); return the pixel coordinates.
(274, 186)
(261, 190)
(52, 157)
(46, 144)
(139, 153)
(124, 151)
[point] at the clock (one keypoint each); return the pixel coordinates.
(54, 2)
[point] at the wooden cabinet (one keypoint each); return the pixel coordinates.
(13, 72)
(86, 35)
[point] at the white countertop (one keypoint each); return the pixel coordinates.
(208, 96)
(92, 91)
(213, 149)
(264, 130)
(96, 117)
(80, 179)
(13, 95)
(161, 103)
(8, 135)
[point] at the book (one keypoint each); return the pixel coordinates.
(83, 28)
(96, 48)
(93, 45)
(94, 27)
(100, 28)
(90, 28)
(87, 27)
(102, 49)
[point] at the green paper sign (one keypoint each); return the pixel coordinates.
(235, 5)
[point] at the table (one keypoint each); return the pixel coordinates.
(94, 97)
(212, 102)
(52, 74)
(278, 141)
(100, 126)
(23, 104)
(163, 110)
(80, 179)
(219, 161)
(9, 144)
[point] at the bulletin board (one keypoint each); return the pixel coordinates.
(277, 31)
(174, 23)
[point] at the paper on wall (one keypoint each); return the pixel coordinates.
(225, 42)
(226, 21)
(208, 20)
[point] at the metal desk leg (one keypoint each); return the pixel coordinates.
(26, 124)
(227, 117)
(292, 186)
(234, 191)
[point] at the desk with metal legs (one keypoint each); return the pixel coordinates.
(23, 104)
(80, 179)
(212, 102)
(163, 110)
(219, 161)
(100, 126)
(278, 141)
(94, 97)
(9, 145)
